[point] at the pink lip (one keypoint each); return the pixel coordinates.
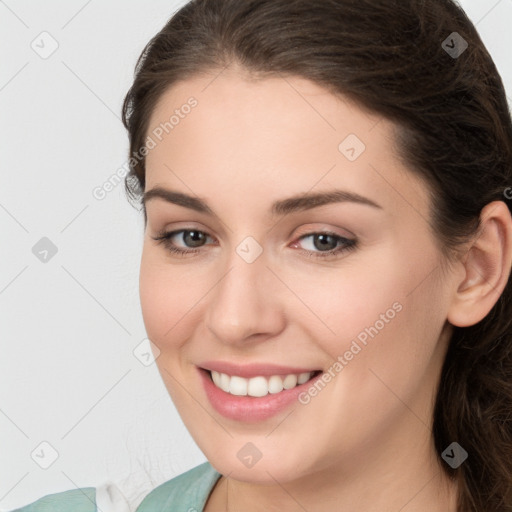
(253, 370)
(248, 408)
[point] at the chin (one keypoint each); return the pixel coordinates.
(265, 471)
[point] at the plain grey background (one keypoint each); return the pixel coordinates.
(77, 393)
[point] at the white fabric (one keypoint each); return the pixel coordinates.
(110, 499)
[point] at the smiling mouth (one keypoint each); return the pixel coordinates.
(259, 386)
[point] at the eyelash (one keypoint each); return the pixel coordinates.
(349, 245)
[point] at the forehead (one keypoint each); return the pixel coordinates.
(273, 136)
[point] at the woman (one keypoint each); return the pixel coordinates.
(327, 255)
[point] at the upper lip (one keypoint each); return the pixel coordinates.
(253, 369)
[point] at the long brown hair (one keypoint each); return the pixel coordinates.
(408, 61)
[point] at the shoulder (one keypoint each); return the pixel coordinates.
(78, 500)
(190, 489)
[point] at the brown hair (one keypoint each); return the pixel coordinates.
(455, 132)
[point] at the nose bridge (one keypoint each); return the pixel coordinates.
(241, 303)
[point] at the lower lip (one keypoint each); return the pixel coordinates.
(249, 408)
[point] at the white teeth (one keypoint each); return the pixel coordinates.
(257, 386)
(290, 381)
(224, 382)
(275, 384)
(303, 377)
(238, 386)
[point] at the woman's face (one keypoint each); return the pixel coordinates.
(280, 279)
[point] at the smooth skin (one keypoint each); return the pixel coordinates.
(364, 443)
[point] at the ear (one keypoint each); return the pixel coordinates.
(486, 267)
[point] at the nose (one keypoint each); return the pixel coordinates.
(244, 305)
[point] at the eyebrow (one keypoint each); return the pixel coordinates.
(293, 204)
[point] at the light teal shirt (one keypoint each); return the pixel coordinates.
(187, 492)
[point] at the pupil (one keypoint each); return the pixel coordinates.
(194, 238)
(324, 242)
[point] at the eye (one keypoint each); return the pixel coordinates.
(192, 239)
(325, 244)
(317, 245)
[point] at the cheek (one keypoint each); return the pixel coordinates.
(336, 304)
(167, 299)
(389, 342)
(376, 312)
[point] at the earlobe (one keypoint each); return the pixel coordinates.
(487, 267)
